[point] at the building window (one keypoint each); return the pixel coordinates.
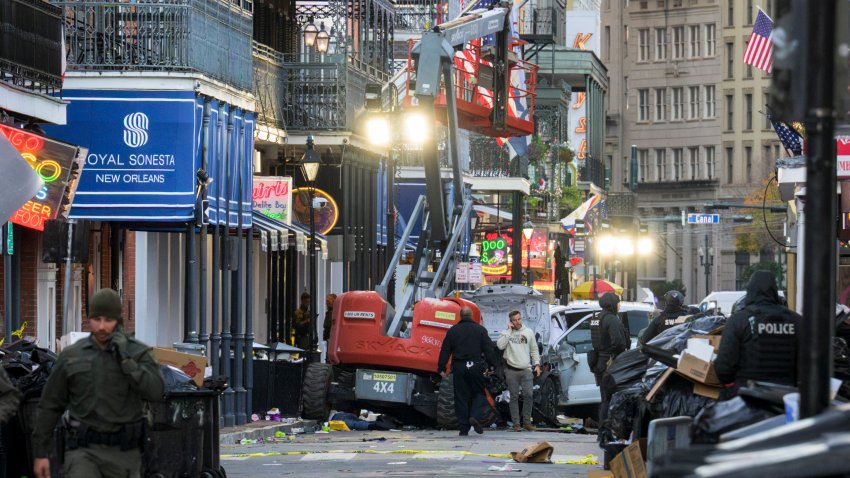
(643, 164)
(730, 165)
(709, 101)
(643, 44)
(748, 72)
(693, 102)
(695, 41)
(694, 158)
(607, 43)
(678, 103)
(678, 43)
(748, 159)
(748, 111)
(677, 163)
(767, 124)
(660, 43)
(730, 124)
(777, 151)
(710, 39)
(730, 60)
(661, 104)
(660, 164)
(749, 12)
(643, 105)
(730, 13)
(709, 162)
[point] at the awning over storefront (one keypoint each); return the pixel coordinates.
(280, 231)
(145, 149)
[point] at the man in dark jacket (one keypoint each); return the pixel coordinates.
(609, 339)
(673, 309)
(760, 341)
(469, 346)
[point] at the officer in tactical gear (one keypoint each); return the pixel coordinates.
(673, 309)
(760, 341)
(99, 384)
(609, 339)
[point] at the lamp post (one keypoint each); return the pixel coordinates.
(706, 259)
(528, 232)
(310, 163)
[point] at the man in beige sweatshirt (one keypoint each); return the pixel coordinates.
(520, 353)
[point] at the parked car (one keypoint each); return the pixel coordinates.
(570, 342)
(721, 300)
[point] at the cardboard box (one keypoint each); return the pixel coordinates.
(599, 474)
(707, 391)
(714, 340)
(191, 365)
(698, 370)
(631, 462)
(659, 383)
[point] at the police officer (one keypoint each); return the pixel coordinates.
(469, 346)
(760, 341)
(609, 339)
(101, 382)
(673, 309)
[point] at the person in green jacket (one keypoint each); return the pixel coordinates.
(101, 382)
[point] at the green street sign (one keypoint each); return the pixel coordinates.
(10, 239)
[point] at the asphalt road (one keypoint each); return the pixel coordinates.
(407, 453)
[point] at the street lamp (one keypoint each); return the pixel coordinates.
(323, 40)
(310, 33)
(528, 232)
(706, 259)
(310, 163)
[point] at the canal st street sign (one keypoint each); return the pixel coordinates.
(52, 162)
(703, 218)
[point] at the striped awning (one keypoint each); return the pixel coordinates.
(277, 234)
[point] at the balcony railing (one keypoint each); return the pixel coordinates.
(268, 85)
(211, 37)
(415, 17)
(538, 24)
(31, 45)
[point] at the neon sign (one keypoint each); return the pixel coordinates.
(494, 256)
(52, 161)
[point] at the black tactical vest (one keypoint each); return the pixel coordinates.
(601, 341)
(668, 319)
(770, 346)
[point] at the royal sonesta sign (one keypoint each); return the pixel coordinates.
(52, 161)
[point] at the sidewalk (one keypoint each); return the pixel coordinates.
(263, 429)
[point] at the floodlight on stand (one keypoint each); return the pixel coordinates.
(310, 33)
(311, 161)
(644, 246)
(323, 40)
(416, 128)
(378, 130)
(623, 246)
(605, 245)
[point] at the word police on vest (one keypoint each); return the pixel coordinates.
(776, 329)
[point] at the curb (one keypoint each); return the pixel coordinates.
(234, 435)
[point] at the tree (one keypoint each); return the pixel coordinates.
(754, 237)
(769, 266)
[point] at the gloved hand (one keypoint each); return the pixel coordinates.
(118, 346)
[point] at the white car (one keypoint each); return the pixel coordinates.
(722, 300)
(570, 342)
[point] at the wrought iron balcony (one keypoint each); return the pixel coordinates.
(211, 37)
(539, 24)
(592, 170)
(31, 45)
(415, 17)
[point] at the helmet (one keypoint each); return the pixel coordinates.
(673, 299)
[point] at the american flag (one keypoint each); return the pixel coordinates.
(790, 139)
(760, 49)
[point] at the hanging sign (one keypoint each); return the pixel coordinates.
(494, 256)
(272, 196)
(462, 273)
(475, 274)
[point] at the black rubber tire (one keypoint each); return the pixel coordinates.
(446, 416)
(547, 410)
(314, 397)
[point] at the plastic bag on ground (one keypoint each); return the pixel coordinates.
(722, 417)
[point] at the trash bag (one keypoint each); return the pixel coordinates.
(678, 399)
(626, 371)
(622, 410)
(722, 417)
(176, 380)
(676, 338)
(654, 370)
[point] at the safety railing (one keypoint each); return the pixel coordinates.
(206, 36)
(31, 45)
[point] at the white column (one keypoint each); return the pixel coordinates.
(147, 304)
(46, 306)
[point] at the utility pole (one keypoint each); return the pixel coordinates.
(815, 357)
(706, 259)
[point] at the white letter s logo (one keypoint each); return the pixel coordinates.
(136, 130)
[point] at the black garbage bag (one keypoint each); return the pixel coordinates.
(676, 338)
(653, 372)
(626, 371)
(677, 399)
(722, 417)
(622, 411)
(176, 380)
(660, 354)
